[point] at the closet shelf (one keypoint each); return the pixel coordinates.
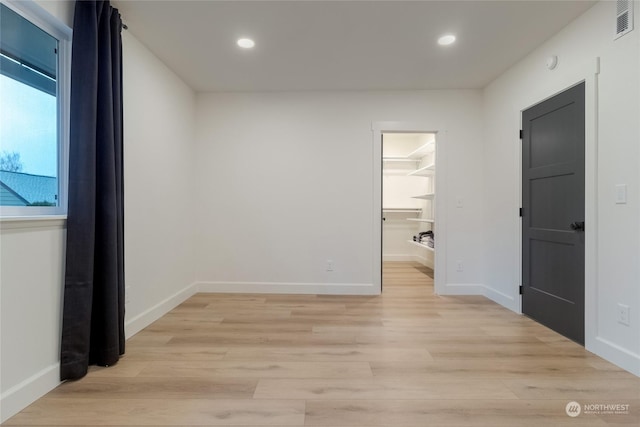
(402, 210)
(422, 151)
(421, 245)
(424, 171)
(428, 196)
(430, 221)
(400, 160)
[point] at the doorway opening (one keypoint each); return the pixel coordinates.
(408, 207)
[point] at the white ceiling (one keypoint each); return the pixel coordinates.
(343, 45)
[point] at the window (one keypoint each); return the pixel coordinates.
(34, 82)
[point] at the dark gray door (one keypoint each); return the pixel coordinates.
(553, 213)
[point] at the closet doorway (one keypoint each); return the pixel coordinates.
(408, 208)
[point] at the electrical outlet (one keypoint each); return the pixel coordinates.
(623, 314)
(329, 265)
(459, 266)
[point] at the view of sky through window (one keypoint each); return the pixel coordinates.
(28, 126)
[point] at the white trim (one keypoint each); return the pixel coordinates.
(515, 291)
(376, 208)
(28, 391)
(64, 110)
(617, 355)
(588, 73)
(150, 315)
(408, 258)
(34, 13)
(424, 261)
(403, 127)
(398, 257)
(591, 259)
(462, 289)
(378, 128)
(479, 289)
(503, 299)
(26, 222)
(440, 214)
(289, 288)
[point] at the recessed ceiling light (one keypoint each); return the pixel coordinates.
(446, 40)
(246, 43)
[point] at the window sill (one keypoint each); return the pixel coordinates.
(36, 221)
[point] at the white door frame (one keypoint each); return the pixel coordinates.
(378, 128)
(587, 73)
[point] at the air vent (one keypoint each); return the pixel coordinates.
(624, 17)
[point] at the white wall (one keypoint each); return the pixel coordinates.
(284, 182)
(613, 109)
(159, 128)
(61, 9)
(31, 277)
(159, 114)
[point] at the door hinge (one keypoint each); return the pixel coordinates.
(520, 212)
(521, 134)
(55, 50)
(520, 290)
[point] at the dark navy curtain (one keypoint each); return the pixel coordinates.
(93, 313)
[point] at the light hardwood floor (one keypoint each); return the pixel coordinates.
(406, 358)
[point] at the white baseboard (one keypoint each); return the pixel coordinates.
(615, 354)
(408, 258)
(501, 298)
(147, 317)
(462, 289)
(480, 289)
(28, 391)
(289, 288)
(398, 258)
(602, 347)
(424, 261)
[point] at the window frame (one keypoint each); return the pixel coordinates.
(41, 18)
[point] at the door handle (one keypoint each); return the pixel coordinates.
(577, 226)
